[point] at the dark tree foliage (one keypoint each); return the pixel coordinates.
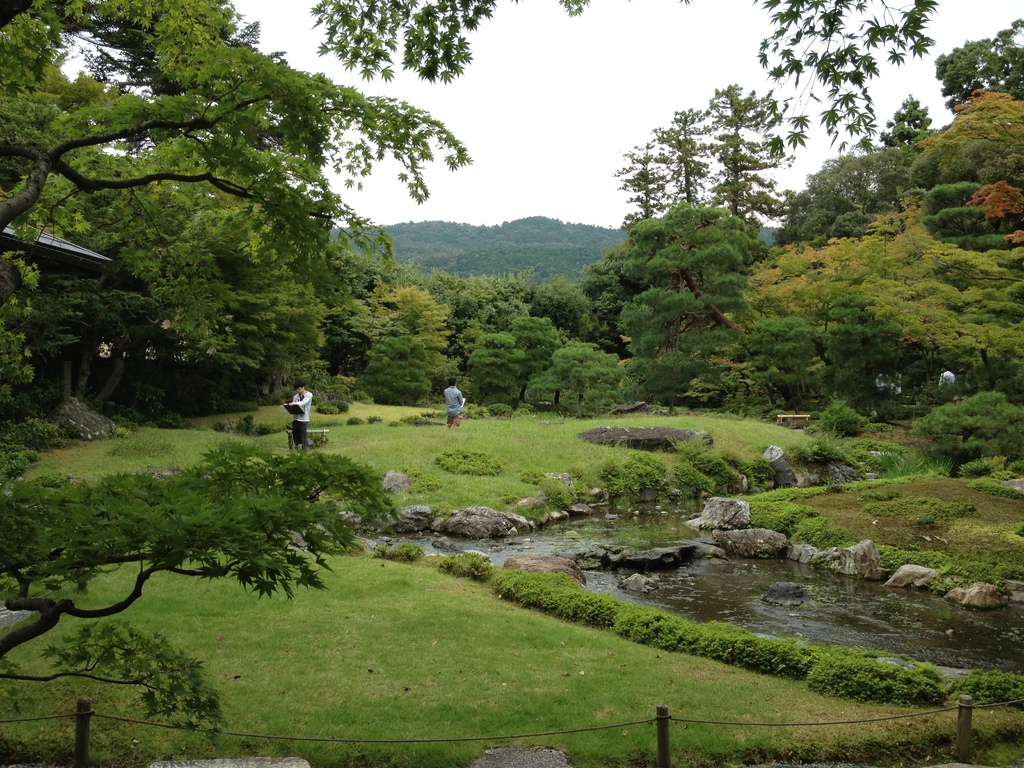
(396, 371)
(996, 64)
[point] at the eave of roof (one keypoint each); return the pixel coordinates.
(56, 249)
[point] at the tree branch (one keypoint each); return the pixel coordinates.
(92, 185)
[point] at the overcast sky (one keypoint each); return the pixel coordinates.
(550, 103)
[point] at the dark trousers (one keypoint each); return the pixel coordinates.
(299, 434)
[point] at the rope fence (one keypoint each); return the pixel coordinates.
(84, 714)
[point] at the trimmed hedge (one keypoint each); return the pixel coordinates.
(847, 676)
(846, 673)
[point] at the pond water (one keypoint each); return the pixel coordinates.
(841, 610)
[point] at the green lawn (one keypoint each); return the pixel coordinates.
(396, 651)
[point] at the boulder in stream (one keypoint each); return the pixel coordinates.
(723, 514)
(481, 523)
(785, 593)
(862, 559)
(979, 595)
(911, 575)
(752, 542)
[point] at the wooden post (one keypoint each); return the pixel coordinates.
(963, 727)
(82, 727)
(664, 756)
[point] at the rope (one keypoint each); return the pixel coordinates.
(505, 737)
(387, 741)
(833, 722)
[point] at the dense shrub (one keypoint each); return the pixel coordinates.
(688, 476)
(976, 468)
(248, 427)
(990, 687)
(471, 565)
(14, 459)
(778, 515)
(862, 679)
(820, 451)
(354, 421)
(986, 424)
(468, 463)
(499, 410)
(821, 533)
(331, 407)
(840, 420)
(758, 470)
(32, 433)
(707, 463)
(558, 495)
(640, 470)
(374, 420)
(406, 552)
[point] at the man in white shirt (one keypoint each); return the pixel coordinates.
(300, 422)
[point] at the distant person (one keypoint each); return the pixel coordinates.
(454, 402)
(947, 377)
(300, 421)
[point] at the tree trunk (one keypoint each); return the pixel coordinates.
(114, 379)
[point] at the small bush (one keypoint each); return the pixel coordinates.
(868, 680)
(759, 471)
(471, 565)
(32, 433)
(821, 533)
(406, 552)
(688, 476)
(707, 463)
(362, 396)
(1016, 467)
(374, 420)
(558, 495)
(531, 476)
(331, 407)
(820, 451)
(15, 459)
(976, 468)
(469, 463)
(640, 470)
(990, 687)
(499, 410)
(355, 421)
(840, 420)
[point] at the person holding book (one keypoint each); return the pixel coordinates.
(300, 407)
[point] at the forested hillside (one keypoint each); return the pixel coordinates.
(546, 246)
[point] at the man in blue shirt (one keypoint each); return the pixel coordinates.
(300, 422)
(453, 404)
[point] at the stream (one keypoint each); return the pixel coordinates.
(840, 611)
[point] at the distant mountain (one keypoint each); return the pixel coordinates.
(547, 246)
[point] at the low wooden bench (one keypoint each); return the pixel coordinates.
(793, 420)
(317, 438)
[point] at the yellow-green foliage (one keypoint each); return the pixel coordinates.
(778, 515)
(917, 507)
(463, 462)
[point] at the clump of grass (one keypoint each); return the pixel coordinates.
(469, 463)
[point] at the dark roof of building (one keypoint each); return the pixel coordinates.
(47, 246)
